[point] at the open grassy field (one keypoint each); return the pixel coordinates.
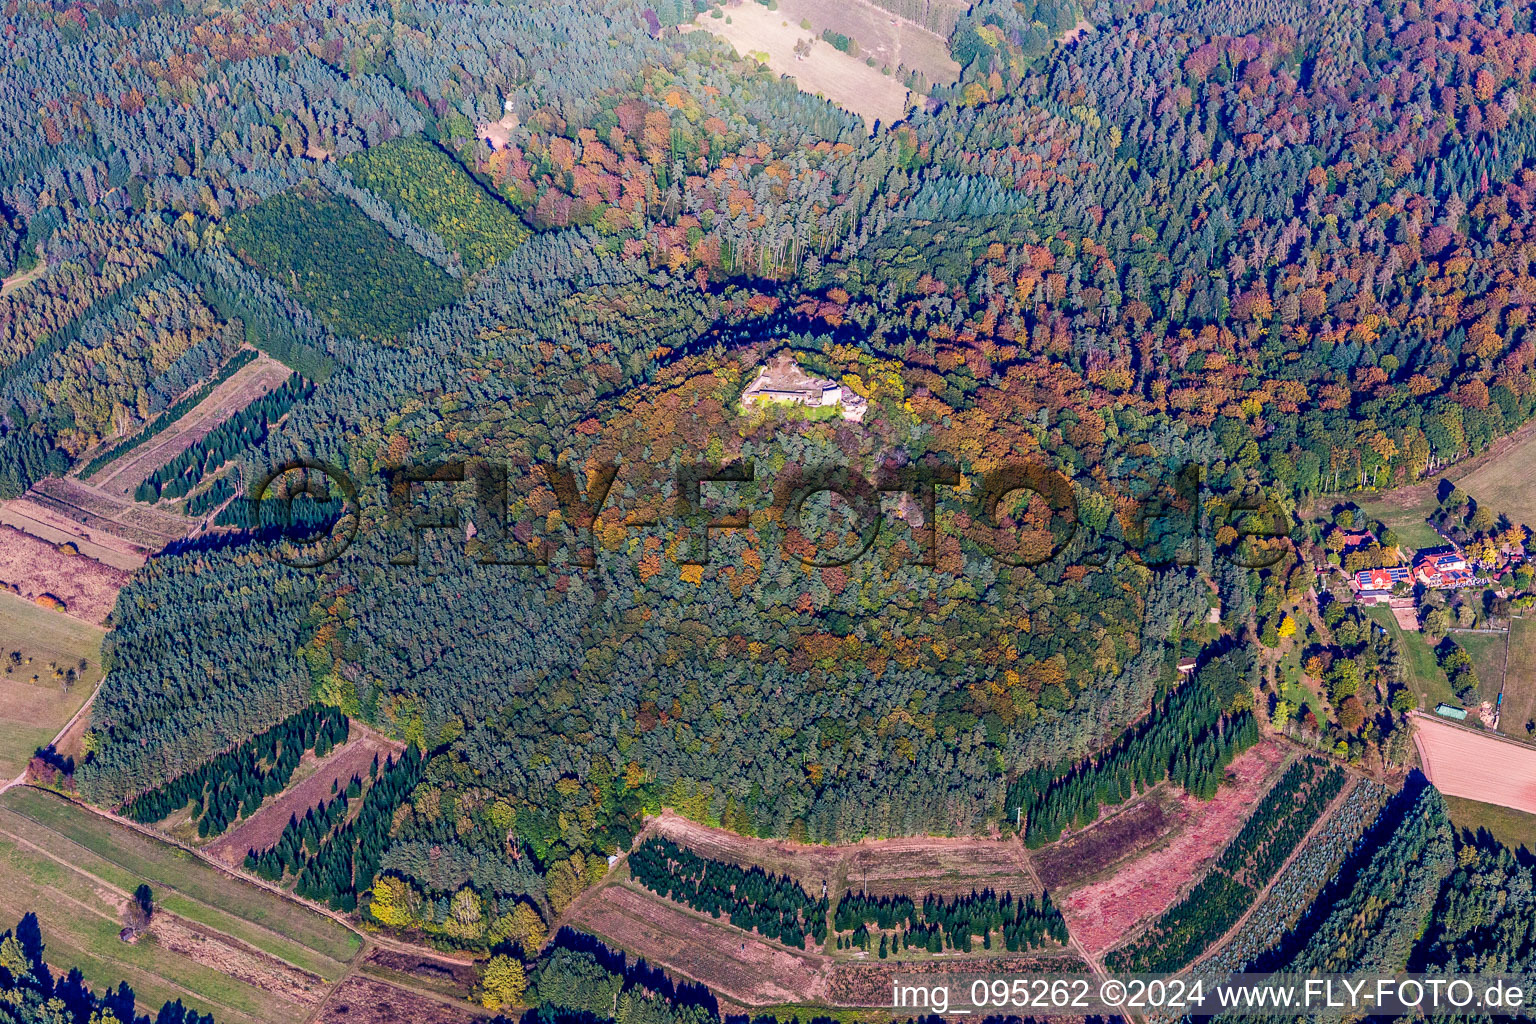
(828, 72)
(35, 644)
(1519, 717)
(1424, 675)
(124, 857)
(890, 40)
(1503, 482)
(218, 944)
(1511, 827)
(1406, 511)
(1487, 653)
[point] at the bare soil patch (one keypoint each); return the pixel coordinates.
(1407, 618)
(828, 72)
(869, 984)
(914, 866)
(919, 866)
(428, 970)
(264, 828)
(244, 963)
(122, 476)
(744, 967)
(32, 568)
(360, 1000)
(1129, 829)
(1106, 911)
(16, 282)
(1477, 766)
(805, 863)
(1076, 32)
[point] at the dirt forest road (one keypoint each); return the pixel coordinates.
(84, 709)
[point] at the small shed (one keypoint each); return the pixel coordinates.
(1187, 665)
(1452, 711)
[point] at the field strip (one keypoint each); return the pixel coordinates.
(401, 980)
(17, 514)
(192, 907)
(122, 475)
(358, 940)
(1072, 941)
(68, 865)
(15, 903)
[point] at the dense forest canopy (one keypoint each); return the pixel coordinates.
(1285, 243)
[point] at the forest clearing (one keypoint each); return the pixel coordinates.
(891, 40)
(744, 967)
(913, 866)
(214, 942)
(1478, 766)
(58, 573)
(39, 650)
(318, 782)
(122, 475)
(845, 80)
(753, 972)
(1103, 913)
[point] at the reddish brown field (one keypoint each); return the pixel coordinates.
(264, 828)
(30, 568)
(1106, 911)
(360, 1000)
(1122, 833)
(913, 866)
(250, 382)
(1477, 766)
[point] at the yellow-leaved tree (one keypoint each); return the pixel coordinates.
(503, 983)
